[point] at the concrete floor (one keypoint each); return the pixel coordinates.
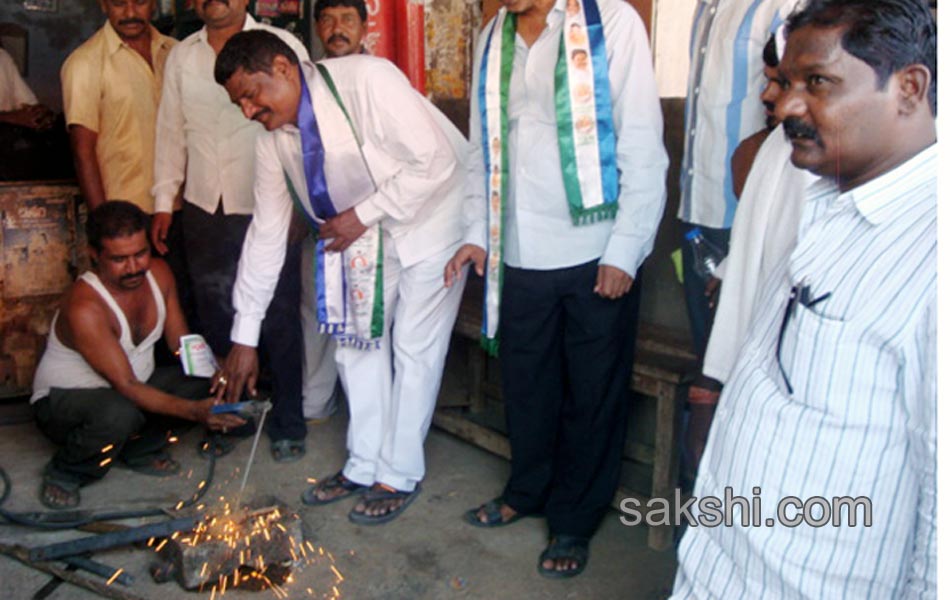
(429, 552)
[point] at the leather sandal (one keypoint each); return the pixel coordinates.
(382, 493)
(330, 484)
(492, 510)
(560, 547)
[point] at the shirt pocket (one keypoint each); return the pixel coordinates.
(815, 350)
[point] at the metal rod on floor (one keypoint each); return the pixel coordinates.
(111, 540)
(23, 555)
(51, 586)
(97, 568)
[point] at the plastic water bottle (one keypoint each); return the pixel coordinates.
(706, 256)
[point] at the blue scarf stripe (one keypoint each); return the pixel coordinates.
(486, 160)
(313, 154)
(319, 195)
(319, 277)
(607, 140)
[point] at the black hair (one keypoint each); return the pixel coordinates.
(888, 35)
(252, 51)
(577, 51)
(114, 219)
(770, 53)
(359, 5)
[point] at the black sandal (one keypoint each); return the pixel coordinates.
(383, 493)
(571, 547)
(492, 510)
(329, 484)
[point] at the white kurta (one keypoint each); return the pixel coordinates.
(415, 194)
(765, 228)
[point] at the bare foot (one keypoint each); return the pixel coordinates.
(59, 496)
(561, 564)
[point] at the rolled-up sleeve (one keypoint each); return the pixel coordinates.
(81, 92)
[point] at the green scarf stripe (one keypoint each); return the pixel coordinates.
(596, 214)
(565, 135)
(509, 31)
(491, 345)
(378, 311)
(299, 206)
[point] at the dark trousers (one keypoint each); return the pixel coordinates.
(84, 421)
(566, 357)
(177, 261)
(697, 304)
(213, 245)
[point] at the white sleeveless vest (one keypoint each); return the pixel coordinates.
(63, 367)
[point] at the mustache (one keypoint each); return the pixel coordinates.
(338, 37)
(208, 3)
(798, 129)
(133, 275)
(259, 113)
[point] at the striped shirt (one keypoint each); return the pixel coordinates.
(861, 419)
(722, 101)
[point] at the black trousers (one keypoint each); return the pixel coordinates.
(178, 262)
(213, 245)
(84, 421)
(566, 357)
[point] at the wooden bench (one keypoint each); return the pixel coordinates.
(660, 367)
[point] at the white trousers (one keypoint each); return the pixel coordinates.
(319, 366)
(392, 391)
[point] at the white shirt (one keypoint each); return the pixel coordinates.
(539, 233)
(200, 129)
(764, 231)
(722, 100)
(414, 157)
(861, 420)
(14, 92)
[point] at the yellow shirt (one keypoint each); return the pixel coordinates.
(110, 89)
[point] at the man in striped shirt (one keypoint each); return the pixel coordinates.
(722, 109)
(834, 393)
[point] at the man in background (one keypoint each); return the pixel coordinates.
(341, 27)
(111, 87)
(203, 141)
(722, 109)
(18, 103)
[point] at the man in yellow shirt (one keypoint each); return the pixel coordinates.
(112, 84)
(111, 88)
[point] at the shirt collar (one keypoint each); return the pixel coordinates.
(309, 74)
(556, 14)
(114, 42)
(876, 200)
(249, 23)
